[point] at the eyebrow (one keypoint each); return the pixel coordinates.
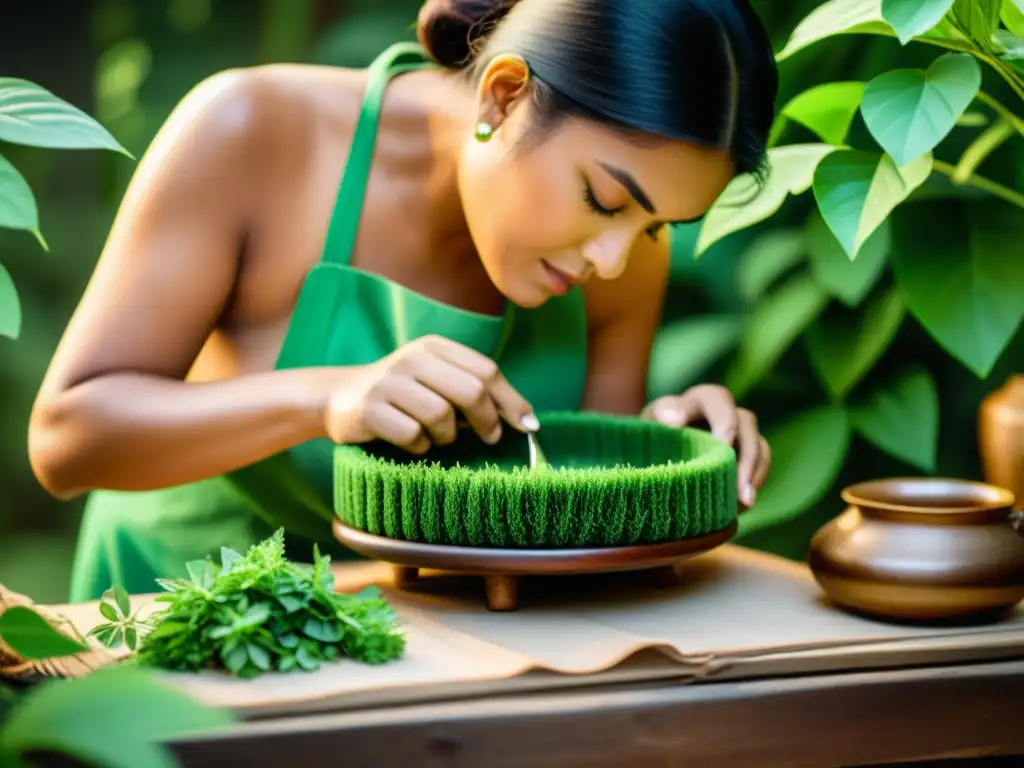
(637, 193)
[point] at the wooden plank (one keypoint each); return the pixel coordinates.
(822, 721)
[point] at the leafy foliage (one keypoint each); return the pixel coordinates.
(32, 116)
(118, 717)
(124, 627)
(898, 240)
(259, 612)
(31, 636)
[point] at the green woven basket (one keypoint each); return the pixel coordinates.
(615, 481)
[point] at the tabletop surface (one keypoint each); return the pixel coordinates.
(813, 721)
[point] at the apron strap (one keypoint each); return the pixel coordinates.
(348, 207)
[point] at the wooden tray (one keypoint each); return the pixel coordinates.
(502, 568)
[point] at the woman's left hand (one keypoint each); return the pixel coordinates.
(715, 405)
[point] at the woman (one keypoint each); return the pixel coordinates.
(496, 247)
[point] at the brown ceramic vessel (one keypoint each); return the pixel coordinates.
(1001, 437)
(922, 549)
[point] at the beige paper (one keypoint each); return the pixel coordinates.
(735, 613)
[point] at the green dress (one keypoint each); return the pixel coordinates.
(343, 317)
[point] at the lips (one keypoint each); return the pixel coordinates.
(560, 282)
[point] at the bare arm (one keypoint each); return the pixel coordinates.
(114, 410)
(623, 316)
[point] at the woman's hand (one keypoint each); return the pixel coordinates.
(735, 426)
(409, 398)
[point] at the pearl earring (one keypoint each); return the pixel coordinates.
(483, 132)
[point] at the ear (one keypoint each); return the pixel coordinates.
(504, 84)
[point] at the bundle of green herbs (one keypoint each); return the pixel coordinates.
(257, 613)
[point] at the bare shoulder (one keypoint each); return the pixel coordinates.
(257, 119)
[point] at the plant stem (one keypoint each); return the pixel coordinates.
(986, 185)
(996, 106)
(1007, 74)
(987, 143)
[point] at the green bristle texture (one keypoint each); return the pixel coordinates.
(614, 481)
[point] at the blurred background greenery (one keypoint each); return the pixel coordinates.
(128, 62)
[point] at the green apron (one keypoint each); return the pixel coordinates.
(343, 317)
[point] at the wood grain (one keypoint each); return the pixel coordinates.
(824, 721)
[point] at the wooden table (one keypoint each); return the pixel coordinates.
(817, 721)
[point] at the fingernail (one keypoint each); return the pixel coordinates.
(747, 495)
(494, 436)
(529, 422)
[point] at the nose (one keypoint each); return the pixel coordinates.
(609, 252)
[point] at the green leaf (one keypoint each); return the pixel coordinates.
(116, 717)
(109, 612)
(980, 18)
(1012, 14)
(30, 635)
(201, 573)
(771, 255)
(836, 17)
(857, 190)
(228, 557)
(31, 115)
(684, 350)
(104, 633)
(959, 268)
(844, 346)
(827, 110)
(10, 306)
(909, 111)
(1009, 46)
(848, 280)
(901, 417)
(776, 323)
(17, 203)
(791, 172)
(123, 602)
(807, 454)
(259, 657)
(910, 18)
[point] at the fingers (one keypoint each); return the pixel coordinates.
(455, 386)
(748, 444)
(709, 403)
(425, 406)
(427, 380)
(389, 423)
(764, 463)
(734, 426)
(512, 406)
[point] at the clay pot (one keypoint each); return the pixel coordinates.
(1001, 437)
(922, 549)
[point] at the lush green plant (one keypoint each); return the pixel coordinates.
(32, 116)
(893, 233)
(256, 613)
(116, 717)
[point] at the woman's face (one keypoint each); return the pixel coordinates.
(550, 213)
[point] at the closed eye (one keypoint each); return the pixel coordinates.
(601, 210)
(595, 205)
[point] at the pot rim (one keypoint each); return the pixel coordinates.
(985, 497)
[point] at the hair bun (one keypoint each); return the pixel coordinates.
(451, 30)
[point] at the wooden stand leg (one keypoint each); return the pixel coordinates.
(666, 576)
(502, 593)
(405, 576)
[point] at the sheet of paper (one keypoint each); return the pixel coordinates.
(734, 613)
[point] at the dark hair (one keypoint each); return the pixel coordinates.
(696, 70)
